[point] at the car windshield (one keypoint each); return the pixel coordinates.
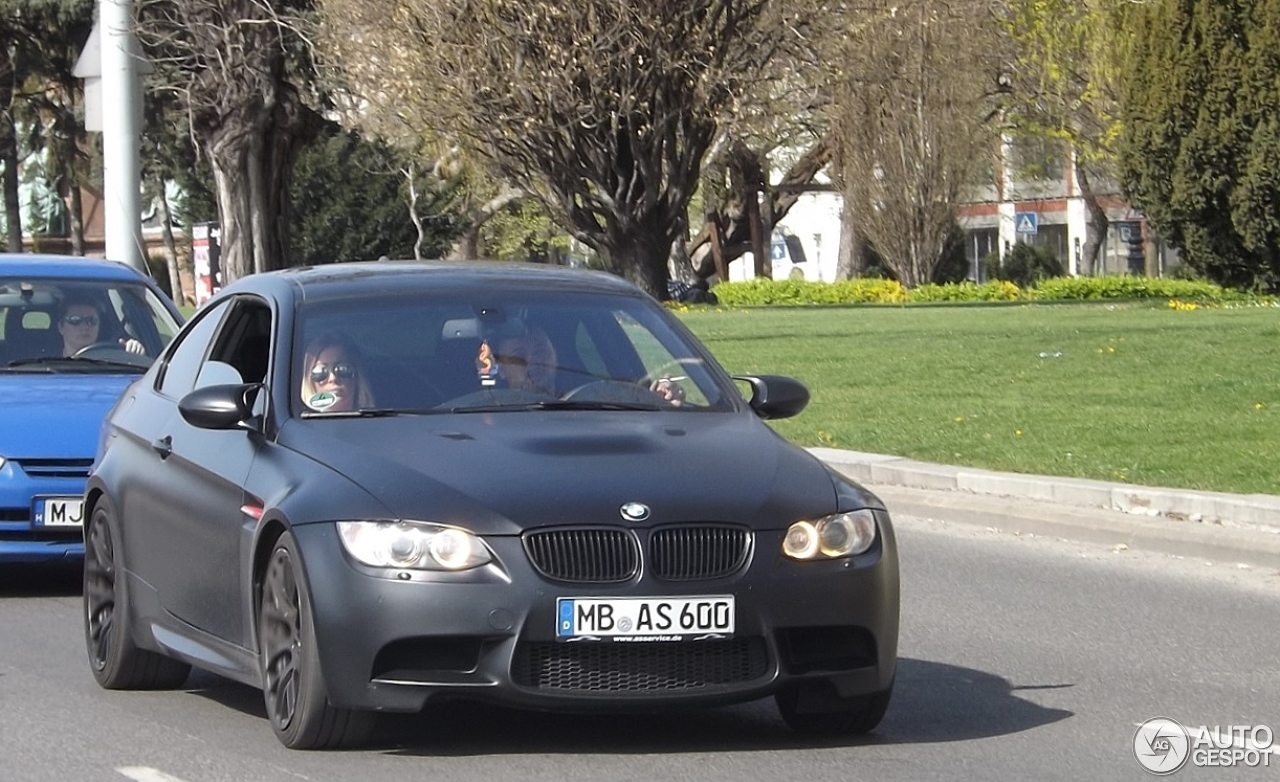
(61, 325)
(490, 351)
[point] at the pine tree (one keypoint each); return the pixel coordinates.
(1200, 143)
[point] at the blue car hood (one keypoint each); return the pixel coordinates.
(49, 416)
(508, 471)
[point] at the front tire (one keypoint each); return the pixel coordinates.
(822, 713)
(292, 683)
(115, 660)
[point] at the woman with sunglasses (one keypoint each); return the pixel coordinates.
(333, 378)
(80, 322)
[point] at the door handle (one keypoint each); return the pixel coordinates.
(163, 446)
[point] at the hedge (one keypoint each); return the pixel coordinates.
(877, 291)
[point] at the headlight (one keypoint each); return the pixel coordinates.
(831, 537)
(412, 545)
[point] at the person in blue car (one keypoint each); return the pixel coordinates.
(80, 324)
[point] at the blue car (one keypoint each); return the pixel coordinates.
(74, 332)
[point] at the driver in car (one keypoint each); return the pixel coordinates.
(528, 362)
(79, 323)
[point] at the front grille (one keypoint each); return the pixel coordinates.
(56, 468)
(584, 556)
(692, 553)
(639, 667)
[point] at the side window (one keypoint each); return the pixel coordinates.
(245, 340)
(183, 364)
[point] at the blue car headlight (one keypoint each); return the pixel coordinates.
(412, 545)
(831, 537)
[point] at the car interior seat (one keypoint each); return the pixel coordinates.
(29, 333)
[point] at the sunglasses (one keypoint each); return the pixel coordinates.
(81, 320)
(340, 371)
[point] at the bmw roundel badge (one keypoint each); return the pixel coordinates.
(635, 511)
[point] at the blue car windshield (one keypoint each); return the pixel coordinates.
(72, 325)
(496, 351)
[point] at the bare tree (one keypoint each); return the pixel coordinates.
(239, 69)
(912, 114)
(601, 110)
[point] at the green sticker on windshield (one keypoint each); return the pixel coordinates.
(322, 400)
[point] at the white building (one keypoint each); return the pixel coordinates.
(1046, 210)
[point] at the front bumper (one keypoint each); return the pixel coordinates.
(21, 538)
(394, 645)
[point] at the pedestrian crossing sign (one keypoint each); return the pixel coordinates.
(1027, 223)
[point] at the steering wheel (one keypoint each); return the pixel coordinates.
(94, 347)
(616, 391)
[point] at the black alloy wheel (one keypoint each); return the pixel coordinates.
(115, 660)
(292, 684)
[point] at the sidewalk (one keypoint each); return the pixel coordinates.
(1213, 525)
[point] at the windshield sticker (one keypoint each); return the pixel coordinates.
(322, 400)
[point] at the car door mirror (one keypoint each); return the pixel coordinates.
(225, 406)
(775, 396)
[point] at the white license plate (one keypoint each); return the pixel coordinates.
(644, 618)
(60, 512)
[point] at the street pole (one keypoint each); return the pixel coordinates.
(121, 134)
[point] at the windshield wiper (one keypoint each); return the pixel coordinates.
(558, 404)
(372, 412)
(50, 363)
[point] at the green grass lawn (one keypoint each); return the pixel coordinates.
(1122, 392)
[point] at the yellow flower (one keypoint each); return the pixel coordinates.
(1017, 432)
(1258, 406)
(960, 418)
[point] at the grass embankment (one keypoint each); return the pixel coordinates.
(1141, 393)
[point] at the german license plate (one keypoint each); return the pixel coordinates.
(644, 618)
(59, 512)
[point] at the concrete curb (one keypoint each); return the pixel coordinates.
(1214, 525)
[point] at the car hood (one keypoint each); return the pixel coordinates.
(60, 414)
(500, 473)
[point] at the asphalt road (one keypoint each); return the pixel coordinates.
(1022, 658)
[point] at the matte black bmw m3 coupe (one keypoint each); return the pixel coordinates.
(374, 487)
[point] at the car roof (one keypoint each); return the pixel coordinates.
(71, 267)
(370, 277)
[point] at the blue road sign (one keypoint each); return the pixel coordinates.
(1027, 223)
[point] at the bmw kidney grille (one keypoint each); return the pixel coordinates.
(605, 555)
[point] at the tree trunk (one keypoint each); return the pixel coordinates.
(251, 153)
(76, 217)
(229, 164)
(850, 263)
(1096, 223)
(467, 246)
(636, 261)
(170, 247)
(9, 154)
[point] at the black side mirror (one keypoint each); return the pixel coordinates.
(220, 406)
(775, 396)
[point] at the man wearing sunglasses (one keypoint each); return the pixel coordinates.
(80, 323)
